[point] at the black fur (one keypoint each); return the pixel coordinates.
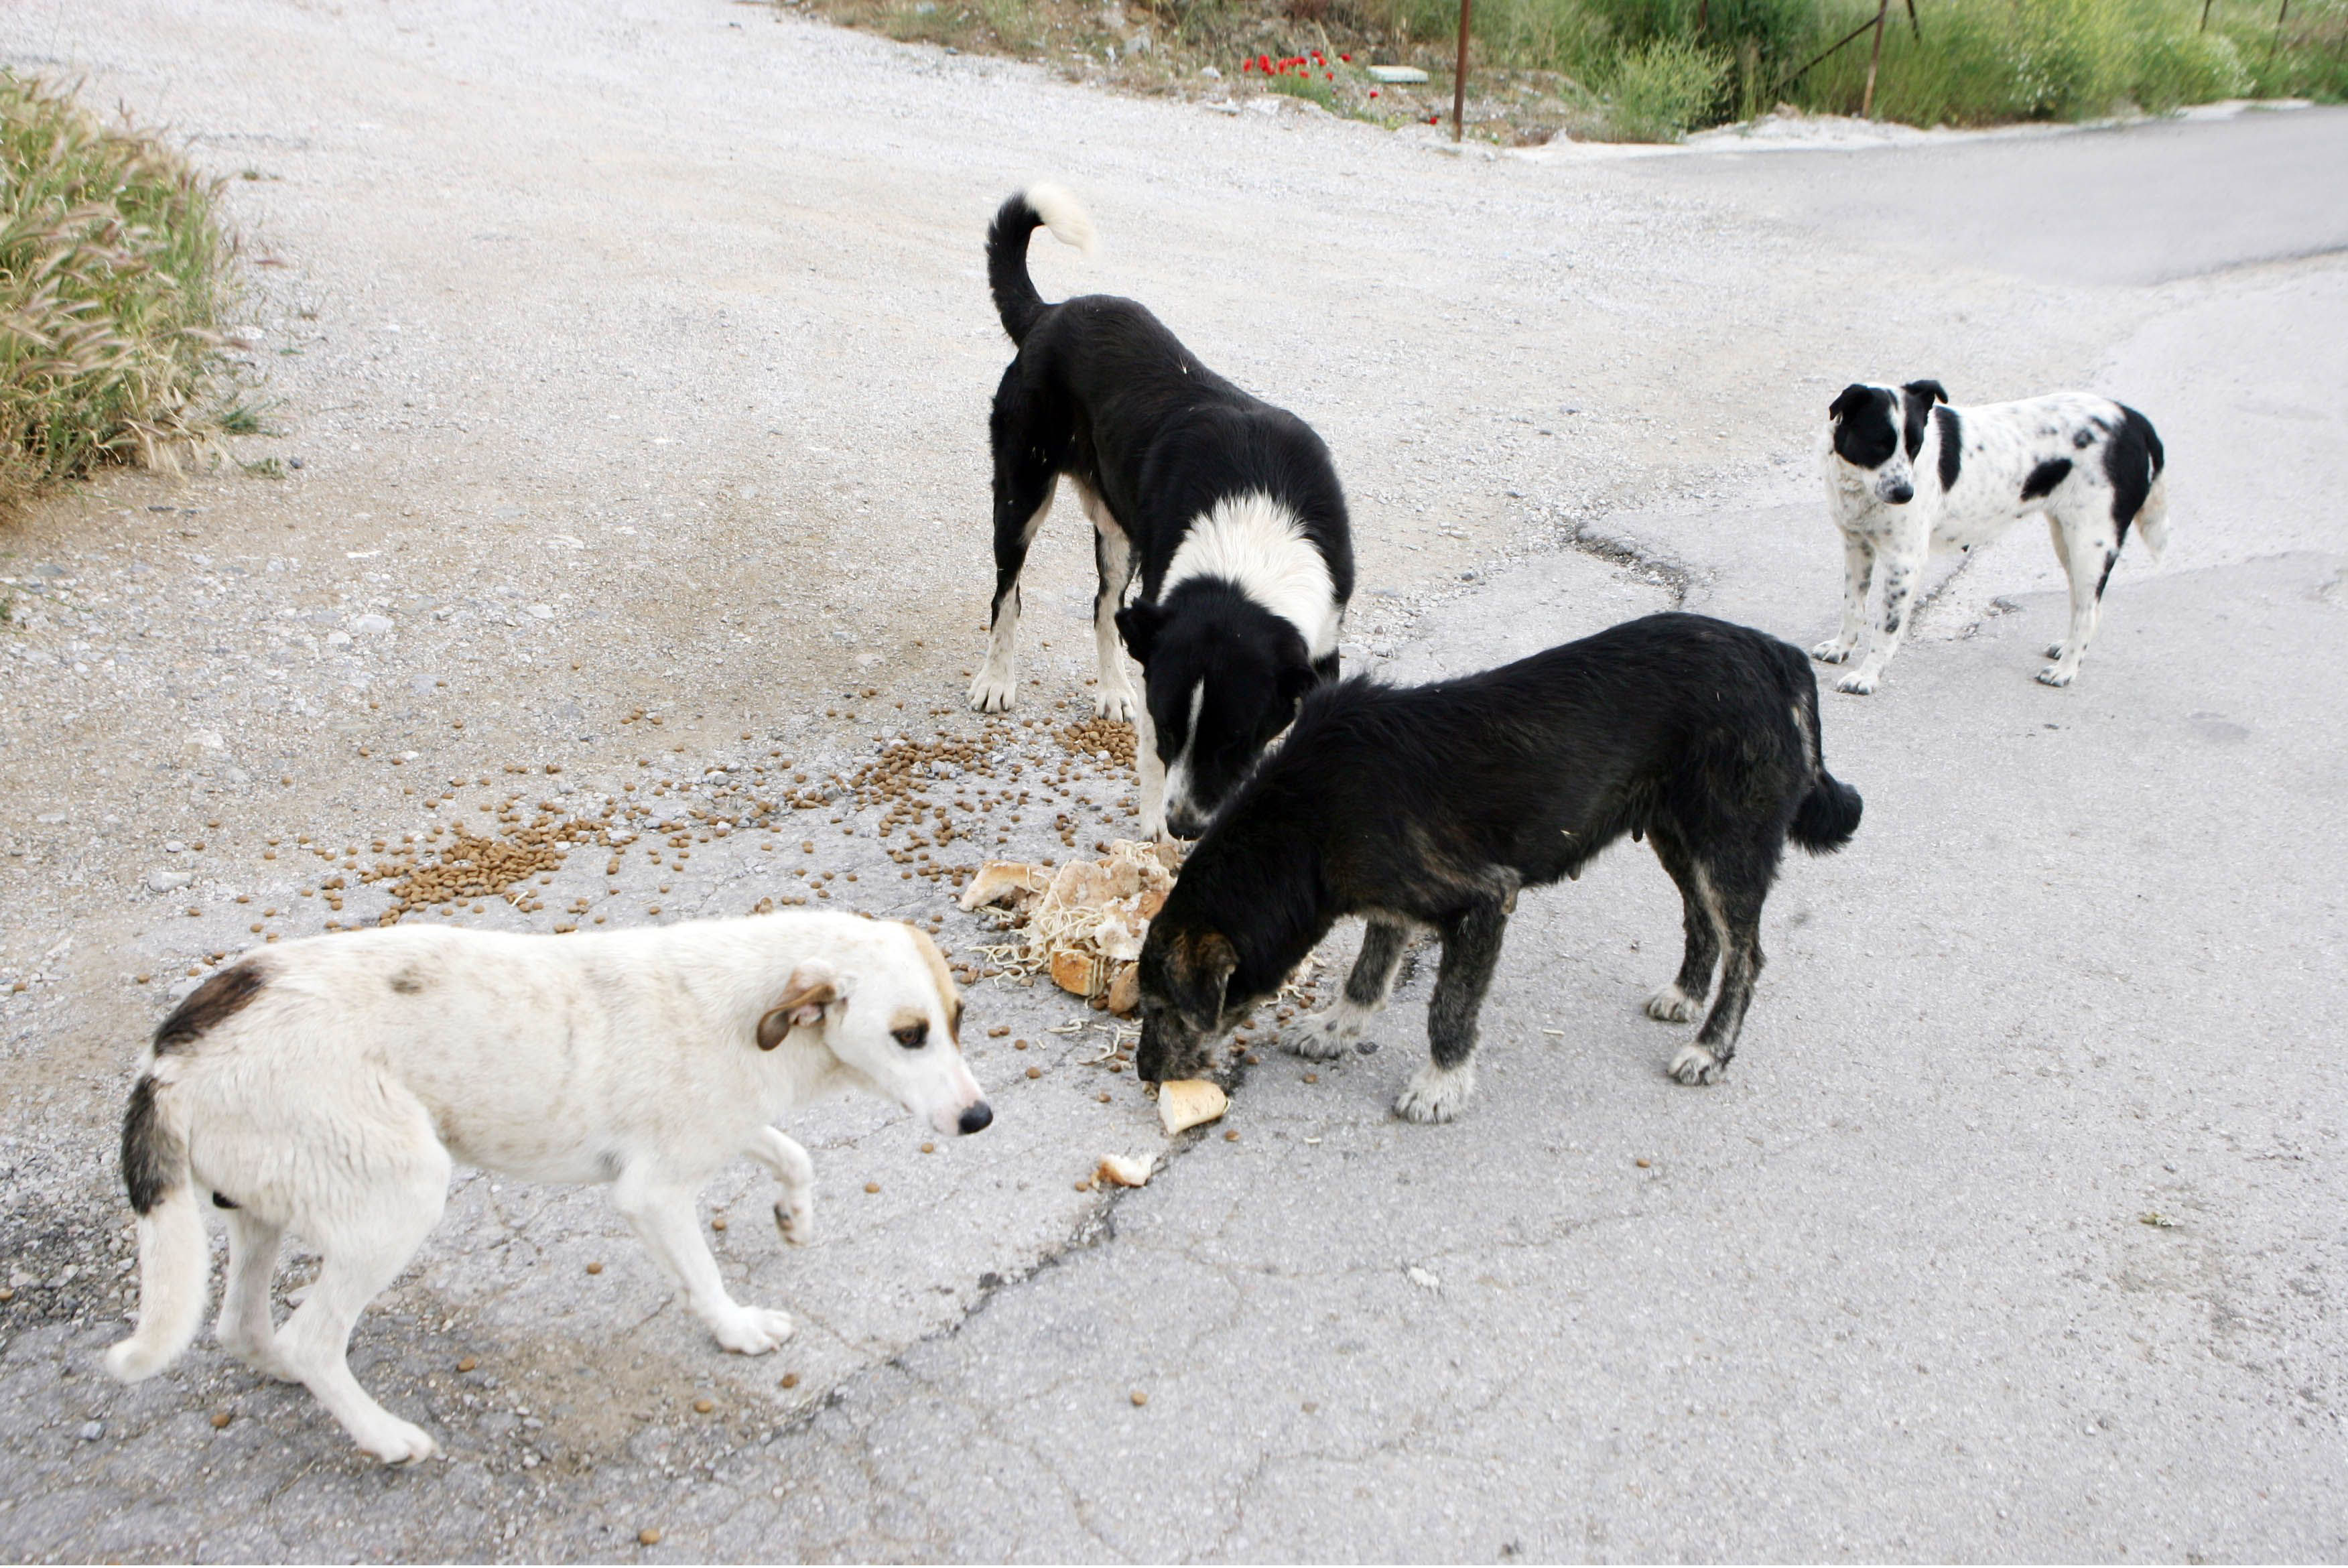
(1866, 432)
(2045, 477)
(152, 1155)
(1952, 440)
(215, 1001)
(1102, 392)
(2132, 460)
(1433, 805)
(1917, 409)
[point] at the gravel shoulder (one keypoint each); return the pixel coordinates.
(636, 358)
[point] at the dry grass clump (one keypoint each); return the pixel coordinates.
(114, 276)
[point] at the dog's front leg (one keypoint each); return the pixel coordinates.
(1858, 572)
(661, 1212)
(795, 1214)
(1152, 769)
(1327, 1033)
(1900, 562)
(1471, 950)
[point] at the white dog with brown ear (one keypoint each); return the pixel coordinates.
(329, 1085)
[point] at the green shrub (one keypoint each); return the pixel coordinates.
(1663, 88)
(113, 278)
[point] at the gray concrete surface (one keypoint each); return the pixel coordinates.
(637, 360)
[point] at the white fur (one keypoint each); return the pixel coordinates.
(1436, 1094)
(1885, 542)
(338, 1100)
(1064, 215)
(1330, 1033)
(1255, 543)
(1174, 783)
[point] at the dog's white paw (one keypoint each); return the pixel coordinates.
(1695, 1065)
(2056, 676)
(753, 1330)
(1833, 651)
(1435, 1094)
(1113, 704)
(1674, 1005)
(795, 1217)
(993, 690)
(1324, 1037)
(1858, 683)
(396, 1442)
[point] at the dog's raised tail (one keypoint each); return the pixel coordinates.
(1044, 205)
(174, 1259)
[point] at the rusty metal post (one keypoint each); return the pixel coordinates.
(1866, 100)
(1459, 78)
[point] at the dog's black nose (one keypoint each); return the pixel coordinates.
(978, 1118)
(1903, 495)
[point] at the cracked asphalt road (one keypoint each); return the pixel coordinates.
(638, 362)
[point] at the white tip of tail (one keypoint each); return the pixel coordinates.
(1064, 215)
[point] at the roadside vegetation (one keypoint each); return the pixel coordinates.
(1653, 70)
(115, 273)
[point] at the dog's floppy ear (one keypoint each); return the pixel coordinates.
(814, 986)
(1850, 400)
(1138, 625)
(1931, 392)
(1201, 972)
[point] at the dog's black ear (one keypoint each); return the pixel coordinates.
(1138, 626)
(1930, 391)
(1850, 400)
(1199, 970)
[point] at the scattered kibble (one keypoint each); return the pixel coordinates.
(595, 1268)
(703, 1406)
(220, 1418)
(468, 1364)
(648, 1536)
(1140, 1397)
(872, 1186)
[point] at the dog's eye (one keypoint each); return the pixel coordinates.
(913, 1036)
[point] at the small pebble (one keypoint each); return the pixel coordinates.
(92, 1430)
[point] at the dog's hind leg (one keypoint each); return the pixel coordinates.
(1858, 571)
(795, 1214)
(245, 1327)
(661, 1211)
(1682, 999)
(366, 1237)
(1113, 559)
(1738, 884)
(1328, 1033)
(1471, 950)
(1023, 499)
(2087, 562)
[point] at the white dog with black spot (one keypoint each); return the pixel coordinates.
(330, 1086)
(1906, 473)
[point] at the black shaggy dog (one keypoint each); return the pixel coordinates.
(1430, 806)
(1227, 509)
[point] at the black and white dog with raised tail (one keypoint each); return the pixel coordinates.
(1905, 474)
(1227, 510)
(1429, 806)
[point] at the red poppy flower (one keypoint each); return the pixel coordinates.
(1374, 92)
(1347, 58)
